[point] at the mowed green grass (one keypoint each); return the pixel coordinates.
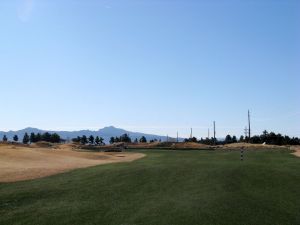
(167, 188)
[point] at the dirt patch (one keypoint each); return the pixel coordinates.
(296, 150)
(24, 163)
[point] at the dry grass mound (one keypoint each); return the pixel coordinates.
(189, 145)
(250, 146)
(296, 150)
(26, 163)
(43, 144)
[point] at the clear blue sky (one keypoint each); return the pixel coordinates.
(154, 66)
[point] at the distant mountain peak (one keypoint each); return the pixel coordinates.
(109, 127)
(31, 129)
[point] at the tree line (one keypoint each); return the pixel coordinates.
(266, 137)
(125, 138)
(89, 140)
(33, 138)
(274, 139)
(55, 138)
(100, 141)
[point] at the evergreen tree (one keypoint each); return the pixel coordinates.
(125, 138)
(91, 139)
(255, 139)
(234, 139)
(38, 137)
(264, 136)
(193, 139)
(4, 138)
(101, 140)
(76, 140)
(46, 137)
(228, 139)
(83, 140)
(112, 140)
(241, 138)
(16, 138)
(32, 138)
(55, 138)
(97, 140)
(26, 139)
(143, 139)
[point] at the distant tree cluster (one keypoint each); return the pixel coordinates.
(123, 138)
(208, 141)
(193, 139)
(274, 139)
(143, 139)
(33, 138)
(153, 140)
(15, 138)
(230, 140)
(89, 140)
(268, 138)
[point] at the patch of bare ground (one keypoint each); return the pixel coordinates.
(19, 163)
(296, 150)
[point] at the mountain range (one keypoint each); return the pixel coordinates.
(106, 133)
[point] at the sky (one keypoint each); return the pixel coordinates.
(154, 66)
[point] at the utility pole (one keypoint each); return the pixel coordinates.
(214, 132)
(191, 136)
(177, 136)
(208, 134)
(249, 127)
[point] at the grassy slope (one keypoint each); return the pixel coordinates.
(164, 188)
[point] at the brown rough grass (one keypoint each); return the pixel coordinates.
(25, 163)
(179, 145)
(250, 146)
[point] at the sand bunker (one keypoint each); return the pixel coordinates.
(297, 150)
(23, 163)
